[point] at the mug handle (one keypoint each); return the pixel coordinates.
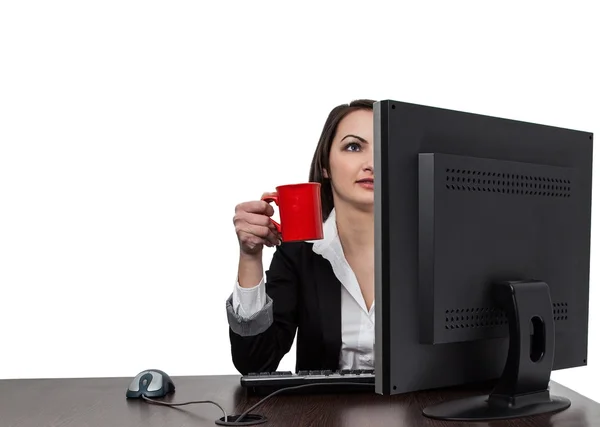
(272, 197)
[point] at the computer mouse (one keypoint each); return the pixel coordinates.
(150, 383)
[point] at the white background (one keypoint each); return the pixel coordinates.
(130, 130)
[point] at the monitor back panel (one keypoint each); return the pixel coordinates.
(498, 200)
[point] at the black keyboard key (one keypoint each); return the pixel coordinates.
(264, 383)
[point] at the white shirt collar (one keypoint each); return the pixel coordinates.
(331, 249)
(329, 235)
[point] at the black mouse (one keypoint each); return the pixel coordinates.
(150, 383)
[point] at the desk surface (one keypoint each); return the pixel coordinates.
(101, 403)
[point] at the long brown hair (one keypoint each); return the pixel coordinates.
(321, 157)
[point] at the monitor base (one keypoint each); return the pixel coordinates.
(478, 408)
(522, 390)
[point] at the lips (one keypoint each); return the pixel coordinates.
(366, 183)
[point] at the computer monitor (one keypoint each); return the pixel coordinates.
(482, 255)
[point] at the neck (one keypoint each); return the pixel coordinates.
(356, 229)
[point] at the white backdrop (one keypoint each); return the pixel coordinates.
(129, 130)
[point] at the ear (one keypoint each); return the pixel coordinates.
(325, 174)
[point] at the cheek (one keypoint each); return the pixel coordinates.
(346, 167)
(343, 175)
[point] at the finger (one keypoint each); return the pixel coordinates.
(256, 206)
(251, 240)
(268, 209)
(256, 219)
(256, 230)
(269, 237)
(273, 238)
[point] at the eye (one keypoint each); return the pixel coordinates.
(352, 146)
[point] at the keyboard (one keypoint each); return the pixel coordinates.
(322, 381)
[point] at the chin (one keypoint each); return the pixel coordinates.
(365, 203)
(362, 200)
(366, 197)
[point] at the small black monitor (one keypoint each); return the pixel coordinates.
(482, 257)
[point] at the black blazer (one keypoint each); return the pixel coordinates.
(306, 298)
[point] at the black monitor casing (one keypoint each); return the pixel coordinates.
(463, 201)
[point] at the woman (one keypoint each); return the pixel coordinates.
(324, 290)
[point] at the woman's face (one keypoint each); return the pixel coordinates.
(351, 160)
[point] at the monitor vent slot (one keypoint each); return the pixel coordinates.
(507, 183)
(488, 317)
(461, 318)
(561, 311)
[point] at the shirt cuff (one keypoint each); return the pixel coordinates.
(252, 326)
(249, 301)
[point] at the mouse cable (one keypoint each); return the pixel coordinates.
(158, 402)
(252, 419)
(257, 419)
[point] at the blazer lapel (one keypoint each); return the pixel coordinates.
(328, 291)
(330, 312)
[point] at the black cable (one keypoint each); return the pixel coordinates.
(238, 422)
(258, 419)
(157, 402)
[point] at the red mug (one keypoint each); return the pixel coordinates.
(299, 211)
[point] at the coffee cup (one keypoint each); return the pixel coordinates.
(299, 211)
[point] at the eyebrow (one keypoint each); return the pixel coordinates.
(354, 136)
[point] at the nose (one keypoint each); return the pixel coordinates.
(368, 165)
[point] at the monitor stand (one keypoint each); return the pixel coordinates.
(522, 390)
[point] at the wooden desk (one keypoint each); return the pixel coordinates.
(101, 403)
